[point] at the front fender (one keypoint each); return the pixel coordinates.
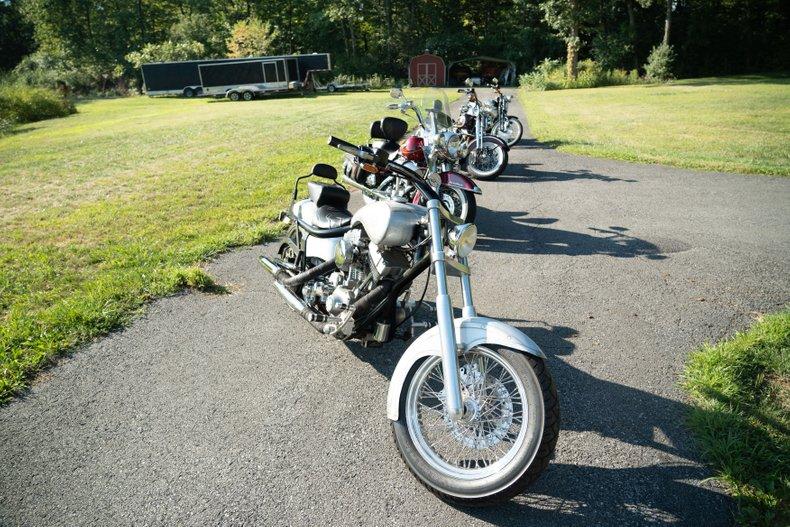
(469, 332)
(453, 179)
(493, 139)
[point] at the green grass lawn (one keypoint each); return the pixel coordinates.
(732, 124)
(115, 205)
(740, 389)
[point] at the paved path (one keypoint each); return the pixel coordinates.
(229, 409)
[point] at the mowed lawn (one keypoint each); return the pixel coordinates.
(731, 124)
(115, 205)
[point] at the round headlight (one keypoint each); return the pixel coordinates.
(462, 239)
(450, 144)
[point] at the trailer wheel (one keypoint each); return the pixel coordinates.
(331, 88)
(234, 96)
(247, 96)
(189, 93)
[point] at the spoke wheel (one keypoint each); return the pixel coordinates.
(492, 428)
(459, 203)
(504, 439)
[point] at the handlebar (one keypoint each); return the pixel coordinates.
(348, 148)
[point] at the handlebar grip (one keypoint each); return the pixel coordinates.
(349, 148)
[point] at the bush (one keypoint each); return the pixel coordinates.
(25, 104)
(50, 70)
(659, 63)
(375, 81)
(551, 75)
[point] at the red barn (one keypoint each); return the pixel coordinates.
(426, 70)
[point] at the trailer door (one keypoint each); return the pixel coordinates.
(274, 72)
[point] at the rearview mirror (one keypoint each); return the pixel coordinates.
(324, 171)
(396, 93)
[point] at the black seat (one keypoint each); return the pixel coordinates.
(322, 194)
(388, 146)
(332, 205)
(327, 217)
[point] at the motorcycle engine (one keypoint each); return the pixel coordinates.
(334, 293)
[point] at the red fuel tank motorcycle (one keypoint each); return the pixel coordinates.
(430, 155)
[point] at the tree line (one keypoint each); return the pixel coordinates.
(101, 42)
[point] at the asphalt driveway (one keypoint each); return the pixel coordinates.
(229, 409)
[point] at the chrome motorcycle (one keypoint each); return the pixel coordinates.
(473, 407)
(506, 127)
(456, 191)
(489, 160)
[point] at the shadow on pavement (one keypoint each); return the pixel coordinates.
(516, 232)
(582, 495)
(524, 172)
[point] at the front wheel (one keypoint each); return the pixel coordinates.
(510, 134)
(459, 202)
(488, 160)
(503, 441)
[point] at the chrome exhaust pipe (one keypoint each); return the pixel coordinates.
(270, 265)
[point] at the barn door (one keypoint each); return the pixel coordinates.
(426, 74)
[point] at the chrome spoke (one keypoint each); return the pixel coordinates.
(493, 423)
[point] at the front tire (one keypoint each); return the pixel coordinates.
(487, 161)
(513, 133)
(495, 451)
(458, 202)
(248, 96)
(234, 96)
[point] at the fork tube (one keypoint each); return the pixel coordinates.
(444, 317)
(466, 293)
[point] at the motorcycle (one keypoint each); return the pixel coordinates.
(482, 156)
(506, 127)
(473, 407)
(456, 191)
(489, 160)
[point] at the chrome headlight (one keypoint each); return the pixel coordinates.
(450, 144)
(462, 239)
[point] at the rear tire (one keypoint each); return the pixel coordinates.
(234, 96)
(248, 96)
(331, 88)
(530, 457)
(189, 93)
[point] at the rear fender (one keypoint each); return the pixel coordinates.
(453, 179)
(469, 332)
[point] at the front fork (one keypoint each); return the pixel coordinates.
(444, 314)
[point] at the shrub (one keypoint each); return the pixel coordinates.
(375, 81)
(24, 104)
(659, 63)
(53, 69)
(551, 75)
(5, 125)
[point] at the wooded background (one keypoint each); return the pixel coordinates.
(92, 43)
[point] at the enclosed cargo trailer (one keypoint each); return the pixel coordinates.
(183, 78)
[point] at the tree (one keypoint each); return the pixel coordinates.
(167, 51)
(16, 35)
(567, 17)
(250, 37)
(210, 30)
